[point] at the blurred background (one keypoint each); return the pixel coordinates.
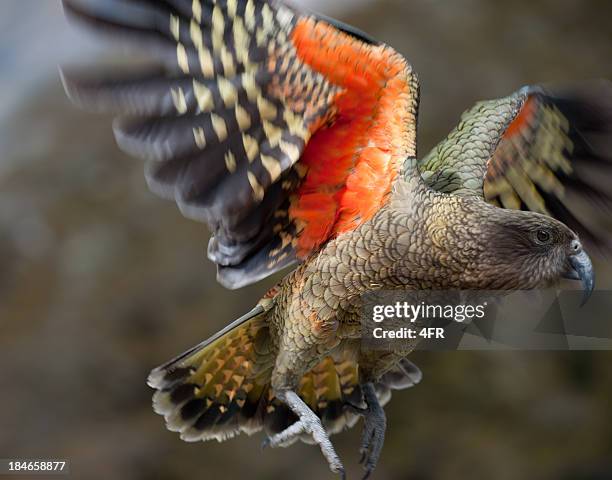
(100, 281)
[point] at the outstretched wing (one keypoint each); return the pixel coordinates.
(553, 157)
(276, 128)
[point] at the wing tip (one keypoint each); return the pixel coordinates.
(251, 270)
(74, 11)
(69, 7)
(76, 88)
(235, 278)
(70, 86)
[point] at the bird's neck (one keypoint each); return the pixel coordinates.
(426, 239)
(420, 239)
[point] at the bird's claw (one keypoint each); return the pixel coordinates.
(372, 441)
(309, 424)
(374, 427)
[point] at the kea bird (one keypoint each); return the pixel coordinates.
(293, 137)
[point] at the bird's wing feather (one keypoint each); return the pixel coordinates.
(276, 128)
(554, 158)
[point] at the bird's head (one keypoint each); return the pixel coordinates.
(528, 250)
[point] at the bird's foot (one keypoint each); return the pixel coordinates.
(308, 423)
(375, 424)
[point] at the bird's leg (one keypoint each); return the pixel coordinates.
(375, 424)
(308, 423)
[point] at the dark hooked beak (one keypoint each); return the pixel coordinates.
(582, 269)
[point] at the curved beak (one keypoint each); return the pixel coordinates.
(582, 269)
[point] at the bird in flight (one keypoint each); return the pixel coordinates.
(293, 137)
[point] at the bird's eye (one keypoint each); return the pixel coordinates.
(543, 237)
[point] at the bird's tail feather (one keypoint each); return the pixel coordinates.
(217, 389)
(222, 387)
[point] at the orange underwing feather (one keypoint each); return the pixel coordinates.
(353, 162)
(277, 129)
(523, 119)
